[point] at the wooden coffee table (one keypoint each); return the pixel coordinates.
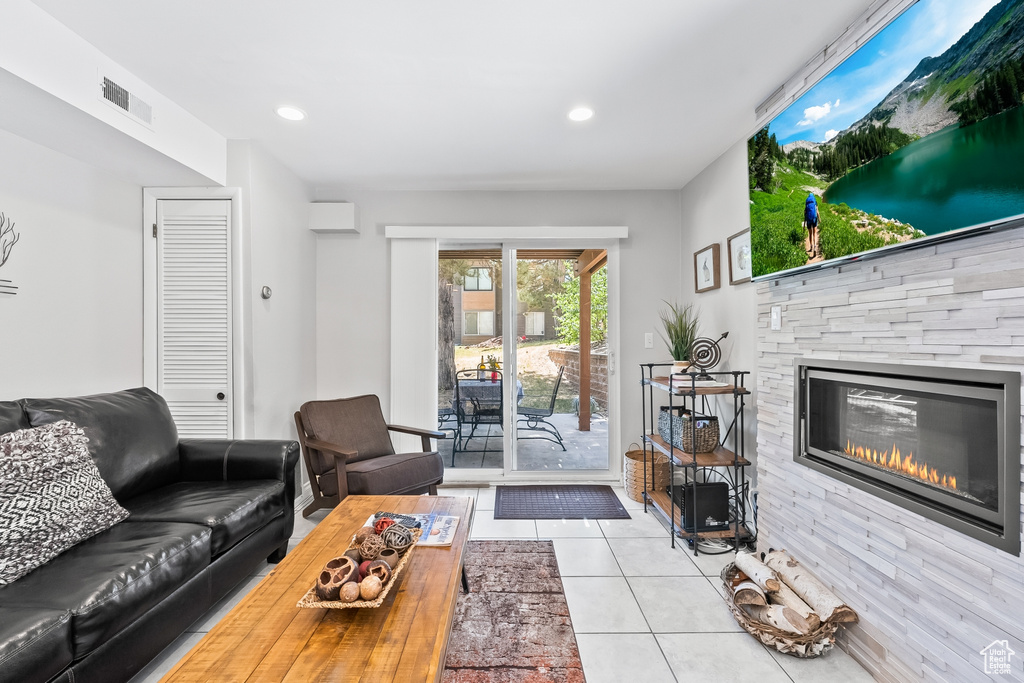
(267, 638)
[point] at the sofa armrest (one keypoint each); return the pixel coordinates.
(235, 460)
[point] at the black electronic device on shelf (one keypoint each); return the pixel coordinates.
(711, 500)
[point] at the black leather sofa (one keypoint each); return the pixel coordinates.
(204, 514)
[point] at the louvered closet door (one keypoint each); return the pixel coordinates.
(194, 314)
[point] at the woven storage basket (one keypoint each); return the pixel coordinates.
(682, 432)
(813, 644)
(313, 601)
(657, 473)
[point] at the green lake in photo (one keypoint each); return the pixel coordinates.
(951, 179)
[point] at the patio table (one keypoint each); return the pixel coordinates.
(486, 391)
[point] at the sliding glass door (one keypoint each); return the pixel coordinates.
(519, 389)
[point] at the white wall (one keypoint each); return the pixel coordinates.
(75, 325)
(715, 206)
(281, 255)
(43, 52)
(353, 296)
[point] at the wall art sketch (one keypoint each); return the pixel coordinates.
(8, 238)
(705, 269)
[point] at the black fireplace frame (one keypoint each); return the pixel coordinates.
(1001, 529)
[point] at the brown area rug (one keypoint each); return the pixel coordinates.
(513, 626)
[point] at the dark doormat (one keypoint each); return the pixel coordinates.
(562, 501)
(513, 626)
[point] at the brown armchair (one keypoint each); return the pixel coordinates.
(347, 450)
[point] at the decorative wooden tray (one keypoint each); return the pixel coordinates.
(311, 600)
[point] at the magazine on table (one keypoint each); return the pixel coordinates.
(438, 530)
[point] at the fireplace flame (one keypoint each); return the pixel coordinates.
(897, 462)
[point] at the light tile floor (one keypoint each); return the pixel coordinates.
(640, 609)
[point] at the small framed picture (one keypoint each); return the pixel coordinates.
(740, 267)
(705, 268)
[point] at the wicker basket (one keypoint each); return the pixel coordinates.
(312, 601)
(675, 422)
(657, 472)
(813, 644)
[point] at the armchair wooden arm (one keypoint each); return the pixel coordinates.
(341, 456)
(425, 435)
(330, 448)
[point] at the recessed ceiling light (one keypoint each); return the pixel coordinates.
(291, 113)
(581, 114)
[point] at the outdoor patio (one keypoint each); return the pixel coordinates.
(583, 450)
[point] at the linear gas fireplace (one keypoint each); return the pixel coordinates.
(944, 443)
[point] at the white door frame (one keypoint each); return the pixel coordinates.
(241, 323)
(554, 237)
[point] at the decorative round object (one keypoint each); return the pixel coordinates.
(389, 555)
(397, 537)
(349, 592)
(382, 524)
(354, 554)
(364, 567)
(336, 572)
(370, 587)
(380, 569)
(363, 534)
(705, 354)
(371, 547)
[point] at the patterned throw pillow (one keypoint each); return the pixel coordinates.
(51, 496)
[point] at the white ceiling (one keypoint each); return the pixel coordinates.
(470, 94)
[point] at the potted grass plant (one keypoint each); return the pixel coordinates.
(681, 324)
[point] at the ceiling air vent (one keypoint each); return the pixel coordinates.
(126, 101)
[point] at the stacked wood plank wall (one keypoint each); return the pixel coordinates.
(929, 599)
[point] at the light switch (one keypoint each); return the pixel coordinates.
(776, 317)
(648, 340)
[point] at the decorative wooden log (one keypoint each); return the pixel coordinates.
(760, 574)
(779, 616)
(749, 593)
(824, 602)
(787, 596)
(738, 577)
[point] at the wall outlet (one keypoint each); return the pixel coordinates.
(776, 317)
(648, 340)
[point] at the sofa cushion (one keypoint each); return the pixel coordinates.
(113, 578)
(35, 644)
(51, 497)
(232, 509)
(399, 473)
(12, 417)
(132, 437)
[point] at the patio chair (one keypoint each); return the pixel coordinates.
(536, 419)
(347, 450)
(479, 400)
(448, 421)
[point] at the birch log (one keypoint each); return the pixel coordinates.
(749, 593)
(758, 572)
(779, 616)
(824, 602)
(787, 597)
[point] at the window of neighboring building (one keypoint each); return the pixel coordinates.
(478, 322)
(535, 324)
(478, 280)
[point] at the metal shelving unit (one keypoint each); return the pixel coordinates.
(727, 464)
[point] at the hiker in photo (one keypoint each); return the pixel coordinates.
(811, 223)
